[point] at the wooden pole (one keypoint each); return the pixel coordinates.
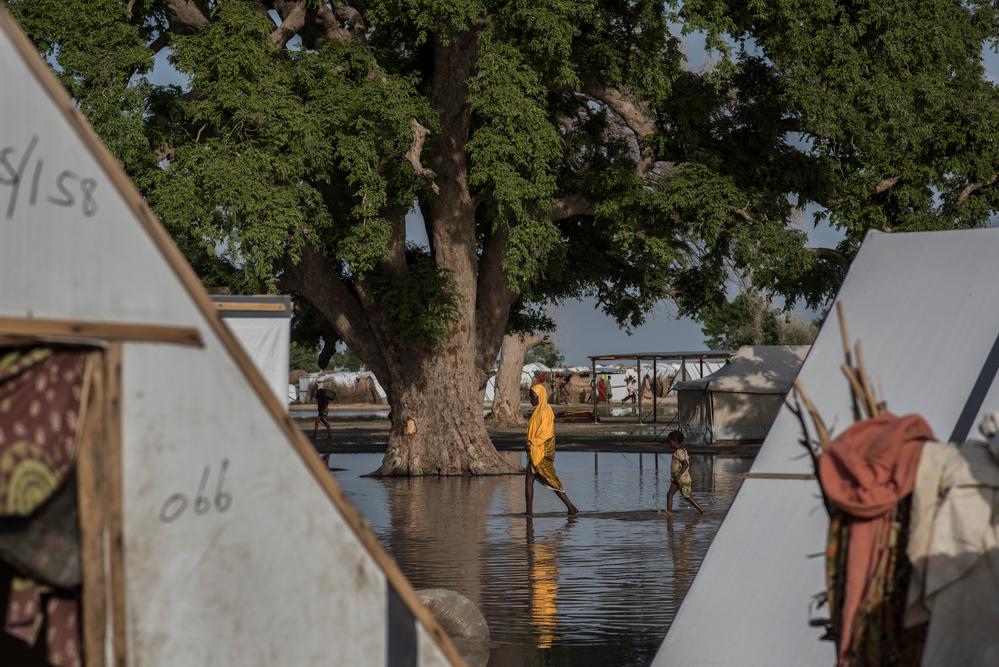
(593, 387)
(639, 362)
(655, 397)
(113, 490)
(90, 485)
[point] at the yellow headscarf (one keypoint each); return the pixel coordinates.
(541, 428)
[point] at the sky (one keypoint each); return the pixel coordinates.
(583, 329)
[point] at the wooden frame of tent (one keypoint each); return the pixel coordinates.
(105, 632)
(655, 357)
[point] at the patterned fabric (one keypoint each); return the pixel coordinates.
(42, 393)
(686, 489)
(545, 468)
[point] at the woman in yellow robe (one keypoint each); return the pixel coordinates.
(541, 450)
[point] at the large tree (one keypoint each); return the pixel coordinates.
(546, 143)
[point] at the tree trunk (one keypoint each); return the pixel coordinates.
(437, 420)
(506, 399)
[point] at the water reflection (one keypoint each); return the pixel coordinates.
(598, 589)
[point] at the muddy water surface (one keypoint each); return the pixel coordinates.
(599, 589)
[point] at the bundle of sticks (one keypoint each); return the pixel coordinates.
(865, 402)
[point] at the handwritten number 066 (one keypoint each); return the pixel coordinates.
(177, 504)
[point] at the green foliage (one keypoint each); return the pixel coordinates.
(96, 52)
(347, 360)
(304, 357)
(547, 354)
(878, 114)
(750, 319)
(420, 307)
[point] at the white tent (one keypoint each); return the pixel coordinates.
(262, 324)
(740, 400)
(907, 297)
(527, 375)
(214, 534)
(341, 379)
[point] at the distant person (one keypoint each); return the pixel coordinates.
(323, 397)
(629, 386)
(541, 451)
(679, 473)
(601, 390)
(647, 386)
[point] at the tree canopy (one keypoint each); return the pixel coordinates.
(555, 148)
(750, 319)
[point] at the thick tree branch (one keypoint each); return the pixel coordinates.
(315, 280)
(493, 299)
(161, 42)
(185, 16)
(879, 189)
(396, 252)
(420, 135)
(570, 205)
(972, 188)
(292, 20)
(634, 114)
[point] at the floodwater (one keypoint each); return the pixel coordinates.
(599, 589)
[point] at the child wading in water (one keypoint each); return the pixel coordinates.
(541, 450)
(679, 473)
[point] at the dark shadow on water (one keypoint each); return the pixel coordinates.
(600, 588)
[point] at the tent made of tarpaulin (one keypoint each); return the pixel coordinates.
(350, 387)
(906, 297)
(528, 374)
(262, 324)
(213, 533)
(740, 400)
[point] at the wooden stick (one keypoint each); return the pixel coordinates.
(114, 515)
(18, 327)
(856, 390)
(845, 340)
(806, 441)
(869, 396)
(820, 426)
(90, 486)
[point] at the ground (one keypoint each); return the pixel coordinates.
(364, 429)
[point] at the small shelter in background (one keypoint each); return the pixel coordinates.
(351, 387)
(677, 366)
(262, 324)
(906, 297)
(528, 374)
(741, 400)
(208, 531)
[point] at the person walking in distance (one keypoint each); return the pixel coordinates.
(679, 473)
(541, 451)
(322, 411)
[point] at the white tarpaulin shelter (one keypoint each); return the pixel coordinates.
(262, 324)
(907, 297)
(740, 400)
(527, 375)
(217, 537)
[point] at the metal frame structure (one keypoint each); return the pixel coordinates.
(655, 357)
